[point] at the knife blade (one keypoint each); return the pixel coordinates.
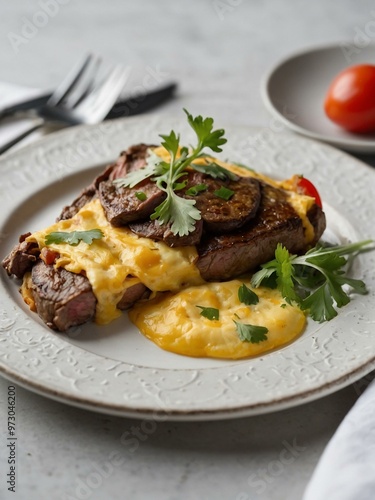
(139, 103)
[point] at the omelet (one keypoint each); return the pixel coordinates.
(175, 323)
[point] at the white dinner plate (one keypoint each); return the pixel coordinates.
(114, 369)
(295, 89)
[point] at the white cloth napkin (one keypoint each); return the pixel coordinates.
(346, 470)
(10, 127)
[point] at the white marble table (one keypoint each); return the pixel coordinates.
(218, 51)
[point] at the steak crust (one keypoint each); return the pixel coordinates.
(22, 257)
(226, 256)
(131, 159)
(122, 205)
(62, 299)
(220, 215)
(152, 229)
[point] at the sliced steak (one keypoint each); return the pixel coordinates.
(131, 159)
(85, 196)
(63, 299)
(220, 215)
(132, 295)
(226, 256)
(21, 258)
(155, 231)
(122, 204)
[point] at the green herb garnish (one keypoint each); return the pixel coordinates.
(209, 312)
(314, 281)
(251, 333)
(214, 170)
(247, 296)
(74, 237)
(181, 213)
(224, 193)
(194, 190)
(141, 195)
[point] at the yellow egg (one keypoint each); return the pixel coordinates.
(174, 321)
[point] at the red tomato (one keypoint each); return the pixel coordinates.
(350, 101)
(304, 186)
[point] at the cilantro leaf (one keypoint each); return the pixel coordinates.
(251, 333)
(207, 137)
(155, 166)
(179, 211)
(247, 296)
(314, 281)
(285, 273)
(74, 237)
(171, 143)
(215, 171)
(263, 276)
(320, 304)
(135, 177)
(210, 313)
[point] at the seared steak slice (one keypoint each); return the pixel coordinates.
(155, 231)
(122, 204)
(63, 299)
(85, 196)
(132, 294)
(220, 215)
(226, 256)
(317, 218)
(21, 258)
(131, 159)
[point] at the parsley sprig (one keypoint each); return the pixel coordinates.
(313, 281)
(251, 333)
(180, 212)
(210, 313)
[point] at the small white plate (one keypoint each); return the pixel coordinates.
(294, 92)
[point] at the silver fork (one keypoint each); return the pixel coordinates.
(80, 97)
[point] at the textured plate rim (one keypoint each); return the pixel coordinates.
(91, 403)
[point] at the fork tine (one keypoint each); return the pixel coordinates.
(96, 105)
(69, 81)
(84, 85)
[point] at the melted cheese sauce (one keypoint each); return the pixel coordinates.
(112, 262)
(175, 324)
